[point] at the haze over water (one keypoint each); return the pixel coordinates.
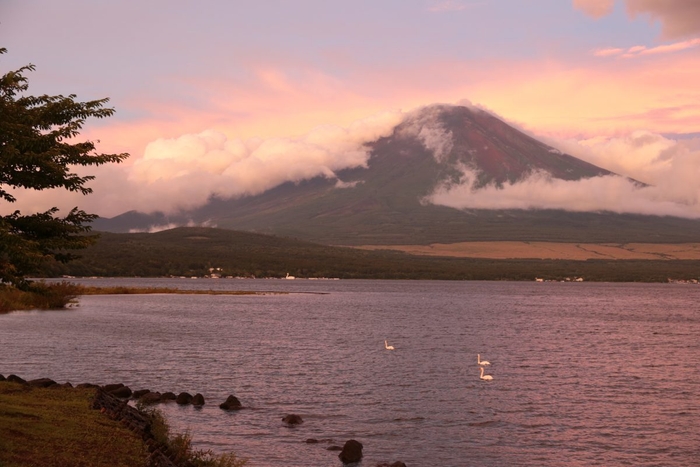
(584, 373)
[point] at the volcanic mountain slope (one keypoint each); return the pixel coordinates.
(385, 203)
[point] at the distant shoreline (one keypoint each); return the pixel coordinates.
(127, 290)
(550, 250)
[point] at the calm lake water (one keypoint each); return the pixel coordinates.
(583, 374)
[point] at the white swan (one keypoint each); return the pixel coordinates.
(485, 378)
(480, 361)
(387, 346)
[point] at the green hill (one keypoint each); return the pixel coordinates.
(192, 251)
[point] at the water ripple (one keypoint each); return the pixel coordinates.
(584, 374)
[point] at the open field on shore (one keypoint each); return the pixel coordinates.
(57, 427)
(550, 250)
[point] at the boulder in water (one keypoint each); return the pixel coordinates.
(198, 400)
(150, 398)
(16, 379)
(292, 419)
(231, 403)
(184, 398)
(123, 392)
(139, 393)
(41, 382)
(112, 387)
(351, 453)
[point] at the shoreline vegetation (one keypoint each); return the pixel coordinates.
(200, 252)
(57, 295)
(41, 295)
(60, 426)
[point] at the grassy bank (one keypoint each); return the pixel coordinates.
(56, 427)
(58, 295)
(38, 297)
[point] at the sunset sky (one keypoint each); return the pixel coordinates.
(207, 85)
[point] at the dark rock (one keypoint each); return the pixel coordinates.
(140, 393)
(334, 448)
(87, 386)
(184, 398)
(41, 382)
(123, 392)
(395, 464)
(231, 403)
(2, 378)
(168, 396)
(292, 419)
(352, 452)
(16, 379)
(67, 385)
(111, 387)
(151, 398)
(198, 400)
(322, 440)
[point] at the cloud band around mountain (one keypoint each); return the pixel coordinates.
(184, 173)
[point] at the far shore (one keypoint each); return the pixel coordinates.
(551, 250)
(124, 290)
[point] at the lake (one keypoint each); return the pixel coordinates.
(583, 373)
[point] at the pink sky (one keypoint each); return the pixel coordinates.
(568, 70)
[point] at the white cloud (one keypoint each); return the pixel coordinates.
(171, 225)
(185, 172)
(341, 184)
(425, 125)
(671, 168)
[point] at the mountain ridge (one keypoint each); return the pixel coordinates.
(386, 201)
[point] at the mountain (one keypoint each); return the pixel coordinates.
(385, 203)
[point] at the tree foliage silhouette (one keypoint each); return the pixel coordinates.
(38, 151)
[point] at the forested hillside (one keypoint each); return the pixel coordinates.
(196, 251)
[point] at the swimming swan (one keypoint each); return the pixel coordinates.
(480, 361)
(387, 346)
(485, 378)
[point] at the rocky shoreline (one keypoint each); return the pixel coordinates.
(113, 401)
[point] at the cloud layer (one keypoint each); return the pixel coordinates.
(671, 168)
(185, 172)
(182, 173)
(679, 18)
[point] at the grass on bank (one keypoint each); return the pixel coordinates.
(57, 427)
(43, 296)
(39, 296)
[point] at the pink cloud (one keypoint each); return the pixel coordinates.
(595, 8)
(641, 50)
(678, 18)
(545, 96)
(608, 52)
